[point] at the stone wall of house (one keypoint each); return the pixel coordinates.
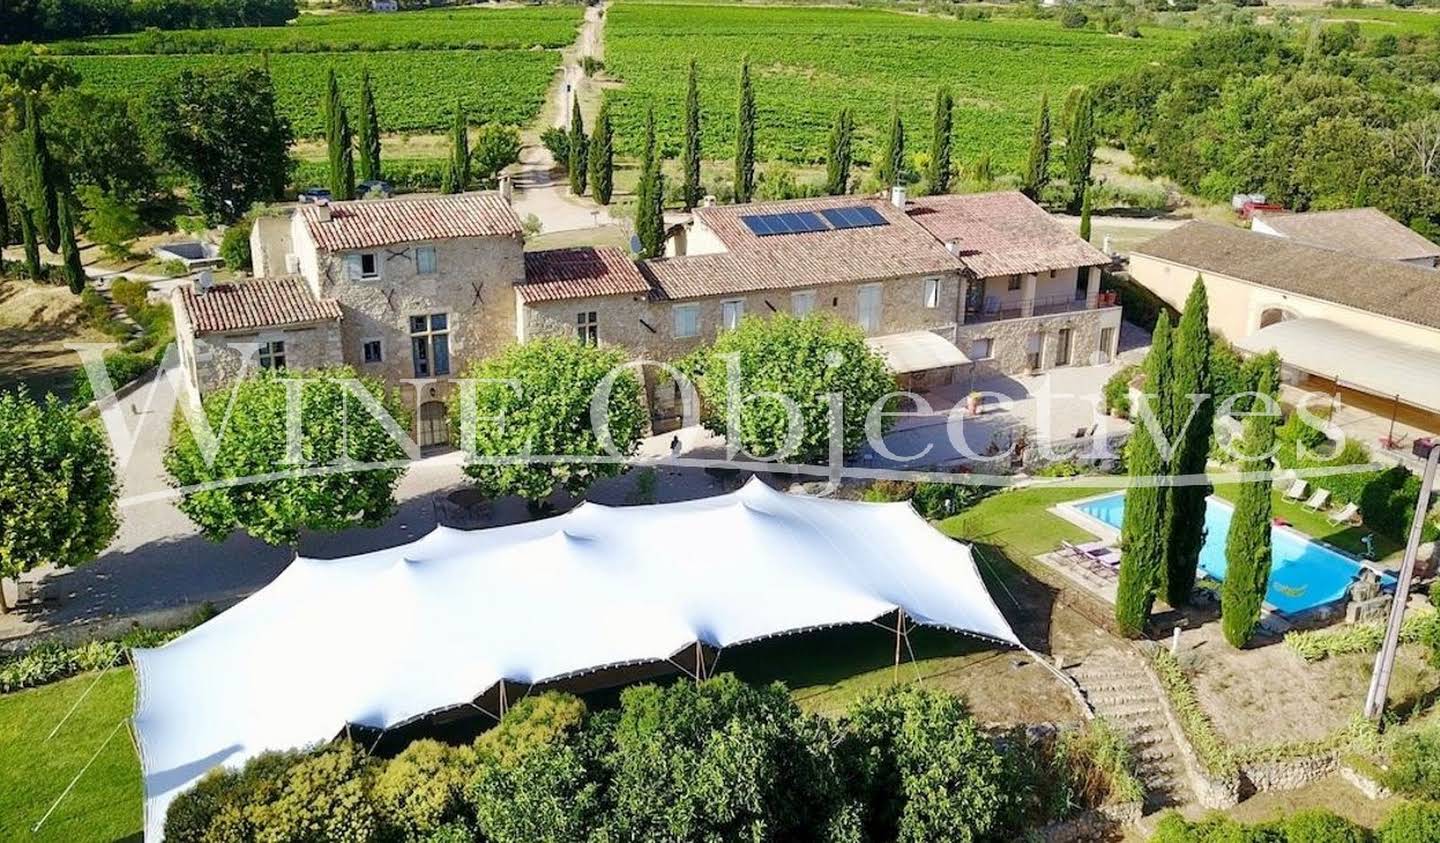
(472, 285)
(214, 360)
(1010, 338)
(270, 244)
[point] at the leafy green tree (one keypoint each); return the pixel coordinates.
(941, 140)
(1079, 147)
(650, 196)
(535, 399)
(1192, 416)
(1143, 535)
(1037, 166)
(74, 268)
(548, 792)
(457, 174)
(926, 770)
(368, 132)
(423, 788)
(691, 191)
(1085, 218)
(325, 796)
(804, 360)
(220, 128)
(890, 170)
(579, 147)
(339, 142)
(840, 157)
(97, 143)
(335, 426)
(719, 760)
(496, 147)
(1247, 547)
(745, 137)
(235, 245)
(58, 484)
(602, 156)
(4, 219)
(111, 224)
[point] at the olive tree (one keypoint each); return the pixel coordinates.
(520, 413)
(268, 475)
(57, 486)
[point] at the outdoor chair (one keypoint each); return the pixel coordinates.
(1318, 500)
(1345, 515)
(1296, 491)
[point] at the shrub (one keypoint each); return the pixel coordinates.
(557, 141)
(545, 793)
(53, 661)
(1097, 765)
(1117, 392)
(1414, 768)
(222, 805)
(420, 790)
(1314, 645)
(1321, 826)
(235, 245)
(1412, 822)
(323, 797)
(122, 367)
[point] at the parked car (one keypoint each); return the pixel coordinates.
(374, 189)
(311, 195)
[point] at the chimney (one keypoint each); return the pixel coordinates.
(897, 196)
(323, 211)
(203, 282)
(507, 188)
(953, 247)
(708, 201)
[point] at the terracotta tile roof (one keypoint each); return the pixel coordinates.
(369, 223)
(1387, 287)
(1367, 232)
(810, 259)
(264, 303)
(578, 273)
(1003, 233)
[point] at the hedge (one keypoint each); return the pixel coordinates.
(1420, 627)
(53, 661)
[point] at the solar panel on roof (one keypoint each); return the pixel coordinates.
(767, 225)
(854, 216)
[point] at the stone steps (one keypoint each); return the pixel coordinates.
(1119, 690)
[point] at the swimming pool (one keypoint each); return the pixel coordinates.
(1303, 574)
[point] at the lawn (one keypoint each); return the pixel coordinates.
(105, 804)
(807, 62)
(36, 322)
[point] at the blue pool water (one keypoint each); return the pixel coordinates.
(1303, 574)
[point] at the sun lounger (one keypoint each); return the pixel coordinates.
(1296, 491)
(1344, 515)
(1318, 500)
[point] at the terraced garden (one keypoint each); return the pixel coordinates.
(809, 61)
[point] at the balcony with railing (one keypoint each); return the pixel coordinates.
(1039, 306)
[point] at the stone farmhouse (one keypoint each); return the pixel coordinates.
(414, 289)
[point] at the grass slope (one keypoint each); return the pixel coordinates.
(105, 804)
(809, 61)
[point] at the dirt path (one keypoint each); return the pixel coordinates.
(540, 188)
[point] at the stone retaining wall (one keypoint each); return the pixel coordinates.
(1098, 824)
(1287, 773)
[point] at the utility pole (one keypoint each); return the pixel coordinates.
(1385, 662)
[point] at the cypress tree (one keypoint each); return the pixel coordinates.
(368, 136)
(1085, 218)
(940, 141)
(1142, 534)
(1191, 377)
(457, 174)
(601, 157)
(579, 148)
(1248, 546)
(650, 210)
(745, 138)
(837, 164)
(1037, 167)
(339, 143)
(31, 238)
(891, 168)
(691, 192)
(1080, 147)
(40, 178)
(70, 250)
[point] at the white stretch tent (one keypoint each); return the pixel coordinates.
(383, 638)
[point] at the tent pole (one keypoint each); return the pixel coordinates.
(699, 664)
(899, 633)
(1394, 411)
(502, 697)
